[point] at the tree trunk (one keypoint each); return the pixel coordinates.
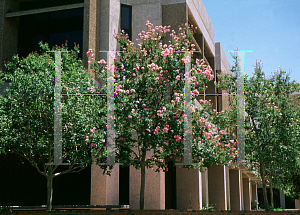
(49, 191)
(271, 192)
(142, 193)
(262, 175)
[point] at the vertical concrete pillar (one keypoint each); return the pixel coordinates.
(154, 189)
(91, 29)
(228, 188)
(254, 196)
(297, 203)
(9, 28)
(188, 186)
(282, 198)
(204, 188)
(247, 193)
(235, 177)
(104, 188)
(217, 182)
(109, 20)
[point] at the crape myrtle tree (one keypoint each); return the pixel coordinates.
(149, 104)
(271, 126)
(28, 109)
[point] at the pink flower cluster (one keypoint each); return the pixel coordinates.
(156, 130)
(177, 137)
(154, 67)
(166, 129)
(167, 51)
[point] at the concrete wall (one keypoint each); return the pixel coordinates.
(104, 188)
(142, 11)
(154, 189)
(297, 203)
(247, 194)
(217, 186)
(222, 62)
(188, 188)
(202, 19)
(235, 178)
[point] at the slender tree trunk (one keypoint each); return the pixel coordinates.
(262, 175)
(271, 191)
(49, 191)
(142, 193)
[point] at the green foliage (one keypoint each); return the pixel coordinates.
(271, 125)
(149, 103)
(27, 112)
(208, 207)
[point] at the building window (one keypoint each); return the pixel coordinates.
(54, 28)
(126, 14)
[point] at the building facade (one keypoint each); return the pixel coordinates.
(91, 24)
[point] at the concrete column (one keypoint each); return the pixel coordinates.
(236, 201)
(9, 28)
(247, 194)
(204, 188)
(297, 203)
(109, 20)
(282, 198)
(188, 186)
(217, 182)
(91, 29)
(104, 188)
(254, 196)
(154, 189)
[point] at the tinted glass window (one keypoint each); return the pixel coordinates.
(36, 4)
(126, 19)
(54, 28)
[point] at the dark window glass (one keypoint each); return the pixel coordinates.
(126, 13)
(37, 4)
(54, 28)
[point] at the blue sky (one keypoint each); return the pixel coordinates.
(271, 28)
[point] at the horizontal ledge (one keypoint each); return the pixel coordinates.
(43, 10)
(69, 207)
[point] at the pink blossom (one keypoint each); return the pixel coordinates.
(129, 116)
(166, 129)
(92, 145)
(148, 129)
(89, 62)
(232, 141)
(91, 130)
(66, 88)
(103, 141)
(137, 102)
(132, 111)
(89, 53)
(173, 103)
(195, 92)
(177, 137)
(66, 127)
(177, 99)
(178, 77)
(70, 123)
(102, 61)
(75, 134)
(144, 105)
